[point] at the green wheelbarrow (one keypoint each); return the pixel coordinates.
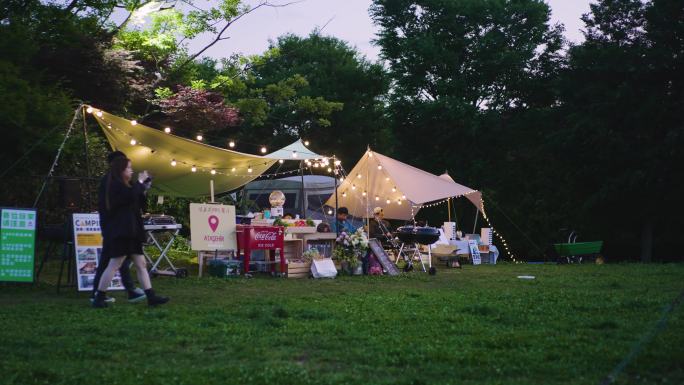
(577, 251)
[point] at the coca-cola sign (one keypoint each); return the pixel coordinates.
(265, 235)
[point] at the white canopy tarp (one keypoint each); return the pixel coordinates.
(294, 151)
(400, 189)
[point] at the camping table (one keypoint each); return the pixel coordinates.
(173, 230)
(260, 238)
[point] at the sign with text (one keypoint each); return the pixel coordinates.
(88, 248)
(17, 244)
(474, 252)
(212, 227)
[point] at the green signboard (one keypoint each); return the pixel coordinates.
(17, 244)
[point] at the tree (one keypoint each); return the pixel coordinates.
(473, 82)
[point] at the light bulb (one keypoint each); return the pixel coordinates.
(394, 189)
(89, 110)
(306, 142)
(329, 169)
(173, 163)
(133, 122)
(341, 179)
(344, 194)
(398, 202)
(377, 198)
(294, 154)
(379, 167)
(133, 142)
(249, 170)
(364, 193)
(232, 169)
(281, 161)
(388, 201)
(329, 212)
(386, 179)
(358, 176)
(99, 114)
(200, 137)
(370, 154)
(213, 172)
(263, 150)
(231, 144)
(167, 130)
(193, 169)
(316, 165)
(403, 197)
(353, 187)
(338, 162)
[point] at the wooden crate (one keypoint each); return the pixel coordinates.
(296, 269)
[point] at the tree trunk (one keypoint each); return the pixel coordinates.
(647, 241)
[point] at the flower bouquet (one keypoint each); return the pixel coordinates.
(350, 247)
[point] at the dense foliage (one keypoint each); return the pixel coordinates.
(556, 135)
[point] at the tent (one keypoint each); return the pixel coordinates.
(183, 167)
(400, 189)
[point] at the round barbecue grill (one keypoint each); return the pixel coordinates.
(406, 234)
(426, 235)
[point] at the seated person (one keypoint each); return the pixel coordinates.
(288, 216)
(379, 228)
(341, 224)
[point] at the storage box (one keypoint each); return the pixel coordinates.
(298, 269)
(222, 268)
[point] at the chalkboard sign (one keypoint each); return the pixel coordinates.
(382, 257)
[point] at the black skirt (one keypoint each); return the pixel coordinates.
(121, 247)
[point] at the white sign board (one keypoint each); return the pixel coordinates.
(474, 252)
(212, 227)
(88, 247)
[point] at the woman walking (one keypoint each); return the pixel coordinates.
(124, 201)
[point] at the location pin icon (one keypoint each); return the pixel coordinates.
(213, 222)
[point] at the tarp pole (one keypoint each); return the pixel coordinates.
(211, 189)
(301, 200)
(337, 229)
(477, 213)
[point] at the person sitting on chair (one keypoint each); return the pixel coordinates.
(341, 224)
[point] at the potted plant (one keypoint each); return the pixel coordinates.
(349, 248)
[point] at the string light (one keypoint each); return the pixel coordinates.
(193, 169)
(358, 176)
(379, 167)
(386, 179)
(403, 197)
(173, 163)
(231, 144)
(329, 169)
(353, 187)
(399, 202)
(133, 122)
(364, 193)
(344, 194)
(389, 201)
(341, 179)
(99, 114)
(370, 154)
(89, 110)
(167, 130)
(213, 172)
(263, 150)
(338, 162)
(199, 138)
(377, 198)
(281, 161)
(394, 189)
(133, 142)
(306, 142)
(249, 170)
(294, 154)
(232, 169)
(329, 212)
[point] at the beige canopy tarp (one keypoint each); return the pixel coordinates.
(171, 159)
(400, 189)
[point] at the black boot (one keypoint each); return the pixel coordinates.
(99, 300)
(153, 299)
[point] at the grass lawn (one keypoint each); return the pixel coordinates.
(480, 325)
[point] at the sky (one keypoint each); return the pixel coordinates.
(346, 19)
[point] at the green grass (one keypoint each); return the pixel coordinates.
(479, 325)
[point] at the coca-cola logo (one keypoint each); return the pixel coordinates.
(265, 235)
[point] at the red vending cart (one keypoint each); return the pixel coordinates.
(261, 238)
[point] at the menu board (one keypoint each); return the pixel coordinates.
(17, 244)
(88, 247)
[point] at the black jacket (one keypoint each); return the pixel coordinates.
(121, 208)
(374, 230)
